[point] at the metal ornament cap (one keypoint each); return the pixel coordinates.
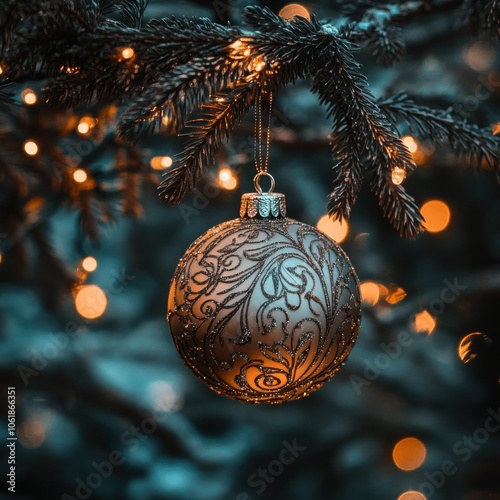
(263, 206)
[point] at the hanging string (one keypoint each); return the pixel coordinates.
(262, 164)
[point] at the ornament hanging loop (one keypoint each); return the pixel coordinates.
(258, 177)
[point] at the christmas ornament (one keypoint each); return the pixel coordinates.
(263, 308)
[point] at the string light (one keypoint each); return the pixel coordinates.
(128, 53)
(86, 124)
(288, 12)
(466, 348)
(398, 175)
(227, 179)
(424, 322)
(410, 143)
(436, 214)
(31, 148)
(89, 264)
(80, 175)
(412, 495)
(409, 454)
(29, 97)
(336, 230)
(91, 302)
(370, 292)
(161, 162)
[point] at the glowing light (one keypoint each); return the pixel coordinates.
(424, 322)
(398, 175)
(91, 302)
(395, 296)
(227, 179)
(32, 433)
(370, 292)
(89, 264)
(410, 143)
(128, 53)
(1, 258)
(161, 162)
(257, 64)
(1, 69)
(80, 175)
(288, 12)
(336, 230)
(412, 495)
(436, 214)
(165, 120)
(29, 97)
(495, 128)
(409, 454)
(470, 345)
(31, 148)
(480, 56)
(236, 45)
(164, 396)
(83, 128)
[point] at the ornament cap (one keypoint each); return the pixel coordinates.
(263, 206)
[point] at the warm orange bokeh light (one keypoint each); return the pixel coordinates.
(412, 495)
(227, 179)
(370, 292)
(409, 454)
(480, 56)
(128, 53)
(410, 143)
(31, 148)
(424, 322)
(398, 175)
(495, 128)
(469, 345)
(91, 302)
(89, 264)
(29, 97)
(32, 433)
(336, 230)
(436, 214)
(161, 162)
(288, 12)
(80, 175)
(395, 296)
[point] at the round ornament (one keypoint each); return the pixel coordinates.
(263, 308)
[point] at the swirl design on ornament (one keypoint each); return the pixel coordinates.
(264, 310)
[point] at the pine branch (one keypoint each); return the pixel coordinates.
(217, 119)
(377, 147)
(475, 144)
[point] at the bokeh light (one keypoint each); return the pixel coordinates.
(288, 12)
(91, 301)
(336, 230)
(161, 162)
(424, 322)
(395, 296)
(80, 175)
(412, 495)
(370, 292)
(480, 56)
(227, 179)
(89, 264)
(128, 53)
(495, 128)
(164, 396)
(32, 433)
(409, 454)
(410, 143)
(29, 97)
(31, 148)
(471, 345)
(437, 215)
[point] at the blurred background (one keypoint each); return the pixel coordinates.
(105, 407)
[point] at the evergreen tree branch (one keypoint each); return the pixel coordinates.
(475, 144)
